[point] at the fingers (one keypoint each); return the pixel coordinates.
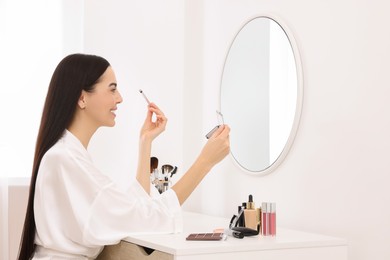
(155, 109)
(159, 115)
(155, 122)
(226, 131)
(149, 115)
(161, 119)
(217, 147)
(222, 131)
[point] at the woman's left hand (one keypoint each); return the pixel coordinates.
(151, 129)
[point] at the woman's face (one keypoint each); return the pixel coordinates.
(102, 102)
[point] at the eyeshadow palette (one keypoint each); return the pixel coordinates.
(206, 236)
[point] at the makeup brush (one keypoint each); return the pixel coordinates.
(147, 100)
(173, 171)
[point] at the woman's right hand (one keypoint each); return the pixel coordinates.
(151, 129)
(217, 147)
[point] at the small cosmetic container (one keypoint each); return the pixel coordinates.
(250, 214)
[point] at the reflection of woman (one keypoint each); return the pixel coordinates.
(73, 209)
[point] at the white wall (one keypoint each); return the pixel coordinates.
(334, 180)
(144, 42)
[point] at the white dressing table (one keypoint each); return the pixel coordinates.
(288, 244)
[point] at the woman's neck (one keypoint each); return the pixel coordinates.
(82, 132)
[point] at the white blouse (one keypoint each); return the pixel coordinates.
(78, 209)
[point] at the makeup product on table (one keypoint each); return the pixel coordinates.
(240, 216)
(206, 236)
(250, 214)
(264, 218)
(229, 232)
(272, 219)
(233, 233)
(268, 219)
(246, 232)
(246, 223)
(258, 219)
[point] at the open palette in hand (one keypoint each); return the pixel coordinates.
(206, 236)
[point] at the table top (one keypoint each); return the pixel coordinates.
(176, 244)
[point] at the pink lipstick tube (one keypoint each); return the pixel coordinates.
(272, 219)
(268, 219)
(264, 218)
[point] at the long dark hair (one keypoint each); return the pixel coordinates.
(73, 74)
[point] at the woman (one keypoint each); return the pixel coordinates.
(73, 209)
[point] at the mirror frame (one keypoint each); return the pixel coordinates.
(299, 101)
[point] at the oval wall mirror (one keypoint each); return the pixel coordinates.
(261, 94)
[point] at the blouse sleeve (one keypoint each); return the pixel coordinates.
(99, 213)
(115, 215)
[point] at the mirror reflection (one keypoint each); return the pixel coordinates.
(259, 89)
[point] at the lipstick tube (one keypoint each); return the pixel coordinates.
(268, 218)
(272, 219)
(264, 218)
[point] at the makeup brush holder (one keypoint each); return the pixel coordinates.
(161, 179)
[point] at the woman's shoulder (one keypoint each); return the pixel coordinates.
(69, 158)
(55, 158)
(67, 148)
(57, 152)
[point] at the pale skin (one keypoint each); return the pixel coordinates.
(97, 108)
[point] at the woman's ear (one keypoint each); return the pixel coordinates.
(82, 102)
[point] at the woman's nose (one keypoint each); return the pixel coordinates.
(119, 98)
